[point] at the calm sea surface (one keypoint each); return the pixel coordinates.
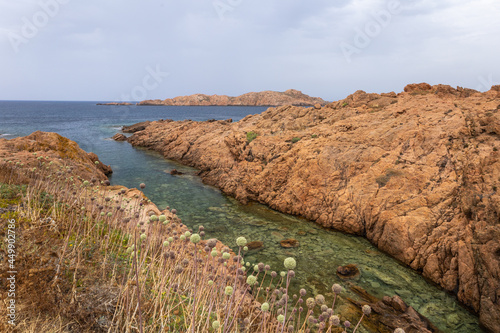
(320, 252)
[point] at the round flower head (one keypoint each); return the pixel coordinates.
(290, 263)
(212, 242)
(210, 282)
(310, 302)
(337, 288)
(228, 291)
(347, 323)
(320, 299)
(153, 218)
(162, 218)
(142, 186)
(187, 234)
(280, 318)
(214, 253)
(241, 241)
(302, 292)
(195, 238)
(256, 268)
(86, 183)
(183, 237)
(226, 256)
(335, 320)
(399, 330)
(264, 307)
(110, 214)
(215, 325)
(166, 243)
(366, 309)
(251, 280)
(143, 236)
(283, 274)
(245, 248)
(170, 239)
(166, 222)
(96, 162)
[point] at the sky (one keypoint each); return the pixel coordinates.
(134, 50)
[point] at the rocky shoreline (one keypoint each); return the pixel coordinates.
(42, 150)
(416, 173)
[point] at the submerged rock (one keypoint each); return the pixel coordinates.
(290, 242)
(255, 245)
(174, 172)
(350, 271)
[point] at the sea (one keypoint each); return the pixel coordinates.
(321, 250)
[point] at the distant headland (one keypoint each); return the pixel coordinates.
(263, 98)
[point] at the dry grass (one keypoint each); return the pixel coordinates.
(93, 258)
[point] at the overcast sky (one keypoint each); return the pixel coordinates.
(122, 50)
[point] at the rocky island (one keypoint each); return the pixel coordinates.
(416, 173)
(263, 98)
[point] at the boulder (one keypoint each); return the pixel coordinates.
(119, 137)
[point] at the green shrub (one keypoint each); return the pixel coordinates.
(251, 136)
(295, 139)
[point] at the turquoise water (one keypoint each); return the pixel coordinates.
(320, 252)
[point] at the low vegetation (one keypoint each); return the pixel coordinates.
(95, 258)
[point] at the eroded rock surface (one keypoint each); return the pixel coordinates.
(417, 173)
(34, 151)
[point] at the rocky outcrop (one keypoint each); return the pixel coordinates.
(37, 149)
(120, 137)
(135, 127)
(417, 173)
(264, 98)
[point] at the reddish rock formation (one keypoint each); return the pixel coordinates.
(36, 149)
(264, 98)
(255, 245)
(349, 271)
(120, 137)
(289, 242)
(135, 127)
(417, 173)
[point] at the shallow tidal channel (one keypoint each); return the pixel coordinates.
(320, 251)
